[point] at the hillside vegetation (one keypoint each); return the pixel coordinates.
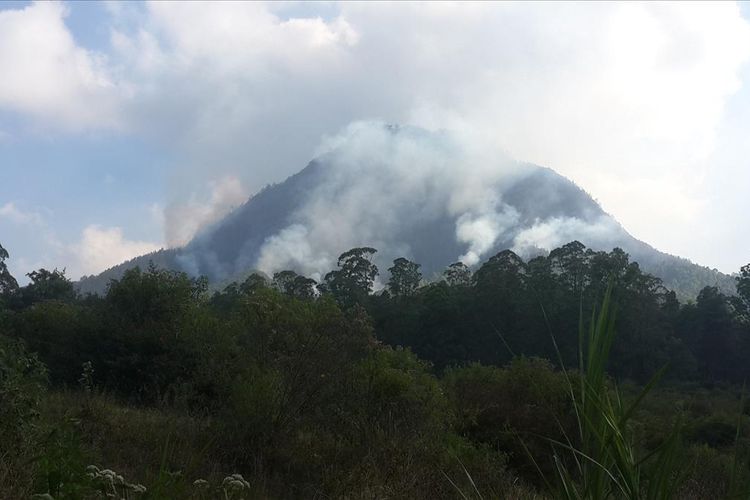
(537, 202)
(523, 379)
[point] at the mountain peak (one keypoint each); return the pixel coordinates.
(422, 195)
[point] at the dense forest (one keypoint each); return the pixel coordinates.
(489, 383)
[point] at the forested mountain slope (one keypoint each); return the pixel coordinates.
(352, 196)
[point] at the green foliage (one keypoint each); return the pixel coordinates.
(22, 386)
(8, 283)
(284, 354)
(353, 281)
(510, 307)
(405, 277)
(707, 473)
(63, 335)
(607, 461)
(45, 286)
(294, 285)
(62, 464)
(312, 395)
(715, 431)
(742, 301)
(253, 283)
(23, 381)
(156, 296)
(516, 408)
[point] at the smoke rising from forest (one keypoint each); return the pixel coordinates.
(383, 181)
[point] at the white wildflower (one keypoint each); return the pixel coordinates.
(200, 483)
(139, 488)
(238, 477)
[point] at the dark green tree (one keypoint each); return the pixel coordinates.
(151, 318)
(353, 281)
(47, 285)
(405, 277)
(505, 271)
(253, 283)
(284, 280)
(8, 283)
(294, 285)
(156, 296)
(741, 303)
(570, 262)
(715, 335)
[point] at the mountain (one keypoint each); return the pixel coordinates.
(413, 193)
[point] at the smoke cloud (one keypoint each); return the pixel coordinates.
(602, 233)
(382, 184)
(183, 220)
(614, 96)
(627, 99)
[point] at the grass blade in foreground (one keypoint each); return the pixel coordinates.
(607, 462)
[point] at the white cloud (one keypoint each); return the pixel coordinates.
(621, 89)
(15, 215)
(609, 94)
(47, 76)
(34, 243)
(248, 37)
(658, 208)
(97, 249)
(103, 247)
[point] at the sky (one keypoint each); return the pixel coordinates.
(125, 127)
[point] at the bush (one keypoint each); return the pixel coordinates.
(522, 405)
(22, 385)
(715, 431)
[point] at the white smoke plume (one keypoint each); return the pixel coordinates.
(646, 99)
(183, 220)
(382, 181)
(604, 232)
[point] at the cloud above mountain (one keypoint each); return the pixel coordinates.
(624, 98)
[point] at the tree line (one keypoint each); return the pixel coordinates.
(503, 309)
(338, 388)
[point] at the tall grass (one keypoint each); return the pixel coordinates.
(605, 461)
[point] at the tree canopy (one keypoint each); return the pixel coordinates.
(352, 282)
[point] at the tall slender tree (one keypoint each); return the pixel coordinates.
(8, 283)
(352, 282)
(405, 277)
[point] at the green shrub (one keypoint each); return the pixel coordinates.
(22, 385)
(715, 431)
(707, 473)
(523, 405)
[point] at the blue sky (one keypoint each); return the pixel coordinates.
(125, 127)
